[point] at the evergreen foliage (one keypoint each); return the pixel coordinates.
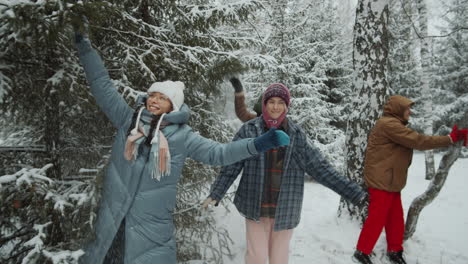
(447, 70)
(405, 70)
(451, 68)
(403, 75)
(40, 217)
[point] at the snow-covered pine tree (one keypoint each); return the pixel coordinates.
(451, 67)
(41, 91)
(370, 53)
(402, 58)
(449, 75)
(319, 69)
(45, 220)
(41, 103)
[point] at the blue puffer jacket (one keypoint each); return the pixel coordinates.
(129, 192)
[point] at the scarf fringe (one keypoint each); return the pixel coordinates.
(162, 165)
(159, 166)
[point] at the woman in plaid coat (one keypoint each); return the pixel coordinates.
(270, 192)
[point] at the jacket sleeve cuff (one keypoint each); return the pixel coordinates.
(215, 197)
(83, 46)
(251, 147)
(359, 199)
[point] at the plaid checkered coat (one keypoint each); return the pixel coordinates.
(300, 157)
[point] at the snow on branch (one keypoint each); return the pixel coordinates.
(64, 256)
(27, 176)
(5, 82)
(37, 242)
(45, 220)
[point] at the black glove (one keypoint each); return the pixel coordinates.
(81, 28)
(236, 84)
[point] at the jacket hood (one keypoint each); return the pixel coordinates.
(396, 106)
(179, 117)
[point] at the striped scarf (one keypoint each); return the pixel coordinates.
(274, 160)
(160, 157)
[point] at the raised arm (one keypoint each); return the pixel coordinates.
(107, 97)
(239, 101)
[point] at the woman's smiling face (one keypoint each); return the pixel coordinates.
(158, 104)
(275, 107)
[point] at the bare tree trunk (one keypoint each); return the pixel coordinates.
(370, 52)
(424, 68)
(435, 186)
(52, 119)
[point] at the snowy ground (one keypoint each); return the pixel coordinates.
(441, 235)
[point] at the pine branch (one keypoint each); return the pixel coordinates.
(18, 233)
(26, 249)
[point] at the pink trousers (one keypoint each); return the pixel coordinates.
(264, 244)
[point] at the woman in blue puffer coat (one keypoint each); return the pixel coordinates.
(148, 153)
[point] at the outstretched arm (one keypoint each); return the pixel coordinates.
(321, 170)
(107, 97)
(214, 153)
(225, 179)
(409, 138)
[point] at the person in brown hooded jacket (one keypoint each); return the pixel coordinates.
(388, 155)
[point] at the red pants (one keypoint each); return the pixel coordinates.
(385, 210)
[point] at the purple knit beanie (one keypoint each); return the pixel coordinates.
(277, 90)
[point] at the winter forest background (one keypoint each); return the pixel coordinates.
(340, 59)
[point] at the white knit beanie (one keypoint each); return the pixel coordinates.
(173, 90)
